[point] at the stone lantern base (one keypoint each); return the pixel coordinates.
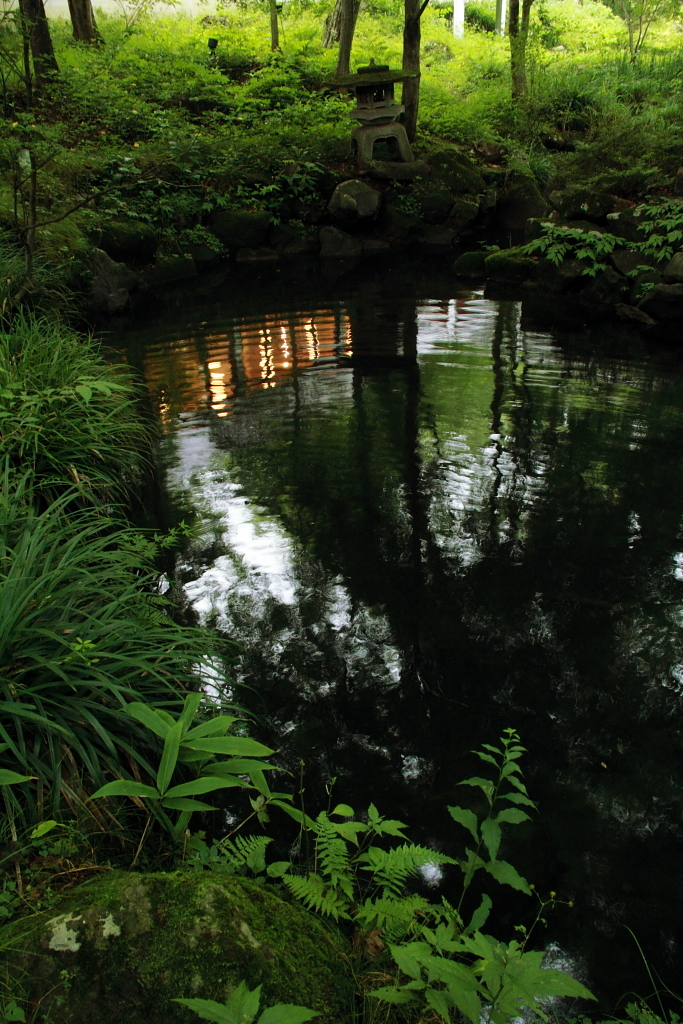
(365, 137)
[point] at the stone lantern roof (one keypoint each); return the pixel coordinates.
(372, 74)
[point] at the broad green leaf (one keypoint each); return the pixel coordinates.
(517, 798)
(207, 1009)
(218, 726)
(242, 1005)
(232, 746)
(84, 391)
(466, 818)
(513, 815)
(406, 961)
(485, 785)
(490, 833)
(439, 1001)
(185, 804)
(125, 787)
(467, 1001)
(197, 787)
(390, 827)
(344, 811)
(42, 829)
(557, 983)
(190, 708)
(169, 757)
(348, 830)
(238, 766)
(393, 994)
(480, 916)
(148, 717)
(278, 868)
(486, 757)
(8, 778)
(295, 813)
(286, 1013)
(258, 781)
(507, 875)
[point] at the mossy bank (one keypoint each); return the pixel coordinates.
(118, 950)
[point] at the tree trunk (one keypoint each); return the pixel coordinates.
(519, 33)
(44, 60)
(349, 13)
(459, 18)
(500, 17)
(274, 29)
(411, 62)
(332, 26)
(83, 22)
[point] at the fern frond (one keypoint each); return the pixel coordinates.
(391, 868)
(333, 856)
(313, 892)
(244, 852)
(394, 916)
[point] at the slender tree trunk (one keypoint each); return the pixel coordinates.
(459, 18)
(332, 26)
(500, 17)
(519, 33)
(26, 56)
(83, 22)
(274, 29)
(44, 60)
(349, 13)
(411, 62)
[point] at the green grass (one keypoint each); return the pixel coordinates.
(67, 417)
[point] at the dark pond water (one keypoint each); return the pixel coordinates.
(428, 516)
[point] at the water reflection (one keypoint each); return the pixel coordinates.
(425, 521)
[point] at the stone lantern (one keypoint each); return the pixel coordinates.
(376, 111)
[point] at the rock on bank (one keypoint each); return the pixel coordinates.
(119, 949)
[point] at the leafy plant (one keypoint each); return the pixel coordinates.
(65, 415)
(82, 633)
(241, 856)
(662, 222)
(242, 1007)
(558, 243)
(355, 879)
(185, 745)
(453, 966)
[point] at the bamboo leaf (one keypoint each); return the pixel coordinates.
(199, 786)
(124, 787)
(169, 757)
(232, 746)
(185, 804)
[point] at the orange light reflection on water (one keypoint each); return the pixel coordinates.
(204, 371)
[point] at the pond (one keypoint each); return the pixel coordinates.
(428, 515)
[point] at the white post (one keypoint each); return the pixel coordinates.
(458, 18)
(500, 17)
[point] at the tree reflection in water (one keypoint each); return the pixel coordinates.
(427, 521)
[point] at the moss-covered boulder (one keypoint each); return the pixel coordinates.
(510, 266)
(435, 202)
(238, 229)
(398, 227)
(118, 950)
(128, 241)
(456, 172)
(470, 264)
(521, 200)
(463, 212)
(586, 204)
